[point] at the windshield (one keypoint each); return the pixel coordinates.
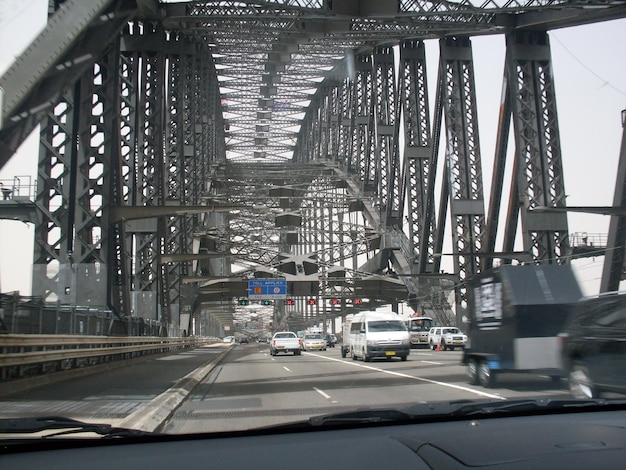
(182, 213)
(386, 326)
(422, 324)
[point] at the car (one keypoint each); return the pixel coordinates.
(331, 340)
(448, 337)
(594, 346)
(285, 341)
(243, 340)
(313, 341)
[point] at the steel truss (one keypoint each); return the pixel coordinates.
(287, 115)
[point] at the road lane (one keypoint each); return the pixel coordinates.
(110, 396)
(253, 389)
(249, 388)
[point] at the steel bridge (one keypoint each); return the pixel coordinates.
(189, 147)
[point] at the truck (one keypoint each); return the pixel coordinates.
(285, 342)
(419, 326)
(516, 313)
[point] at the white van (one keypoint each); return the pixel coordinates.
(378, 334)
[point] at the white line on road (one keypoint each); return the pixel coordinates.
(433, 362)
(287, 369)
(325, 395)
(407, 376)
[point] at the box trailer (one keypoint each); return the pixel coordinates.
(515, 315)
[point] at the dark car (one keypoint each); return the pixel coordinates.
(594, 346)
(331, 340)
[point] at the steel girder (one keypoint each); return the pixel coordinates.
(77, 33)
(363, 138)
(145, 128)
(613, 270)
(270, 59)
(387, 118)
(538, 165)
(173, 99)
(71, 251)
(420, 157)
(463, 172)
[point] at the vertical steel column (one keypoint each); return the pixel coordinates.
(53, 236)
(363, 141)
(497, 183)
(325, 134)
(463, 165)
(118, 262)
(613, 269)
(77, 140)
(538, 149)
(345, 156)
(143, 75)
(420, 162)
(387, 133)
(334, 122)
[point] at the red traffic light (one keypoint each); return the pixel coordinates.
(289, 302)
(357, 301)
(334, 301)
(311, 301)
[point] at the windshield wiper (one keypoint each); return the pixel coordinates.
(532, 405)
(462, 408)
(69, 426)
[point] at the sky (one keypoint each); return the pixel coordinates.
(589, 68)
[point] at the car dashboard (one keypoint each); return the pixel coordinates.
(563, 440)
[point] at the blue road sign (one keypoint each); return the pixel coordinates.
(267, 289)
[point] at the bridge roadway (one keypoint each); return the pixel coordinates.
(242, 386)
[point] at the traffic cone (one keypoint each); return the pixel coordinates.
(439, 347)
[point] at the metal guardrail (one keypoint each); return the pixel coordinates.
(30, 315)
(24, 356)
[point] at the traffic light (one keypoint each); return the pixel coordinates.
(243, 302)
(357, 301)
(289, 302)
(312, 302)
(267, 302)
(335, 301)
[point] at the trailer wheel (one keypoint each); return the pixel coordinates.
(472, 371)
(486, 376)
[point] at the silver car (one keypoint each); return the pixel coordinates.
(314, 341)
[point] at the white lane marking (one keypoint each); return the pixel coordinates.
(407, 376)
(433, 362)
(325, 395)
(287, 369)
